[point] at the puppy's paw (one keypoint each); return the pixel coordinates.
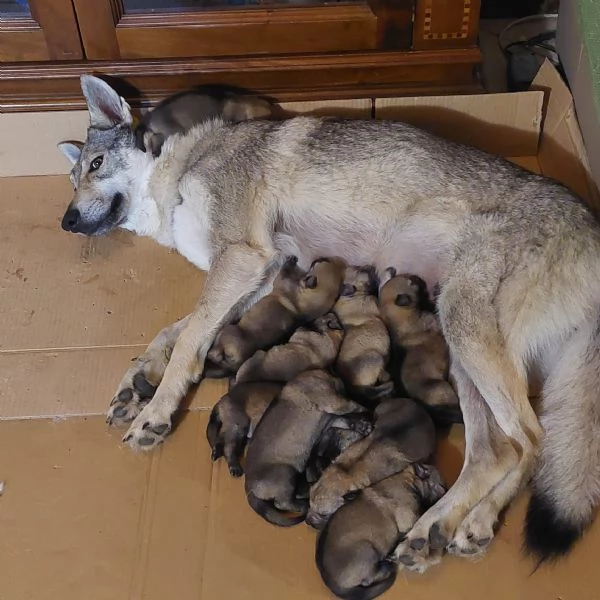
(136, 389)
(149, 428)
(422, 547)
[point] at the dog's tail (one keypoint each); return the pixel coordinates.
(267, 510)
(566, 487)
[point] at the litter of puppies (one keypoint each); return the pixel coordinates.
(337, 381)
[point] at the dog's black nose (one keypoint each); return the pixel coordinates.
(71, 220)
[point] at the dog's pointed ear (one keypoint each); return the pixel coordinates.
(72, 150)
(107, 109)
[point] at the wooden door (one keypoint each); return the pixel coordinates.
(152, 29)
(38, 30)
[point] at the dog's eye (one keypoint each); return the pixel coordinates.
(95, 164)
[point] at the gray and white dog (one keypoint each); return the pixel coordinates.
(516, 257)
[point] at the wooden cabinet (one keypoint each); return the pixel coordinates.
(287, 49)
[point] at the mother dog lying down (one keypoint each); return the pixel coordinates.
(516, 256)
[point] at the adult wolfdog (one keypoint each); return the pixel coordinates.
(516, 257)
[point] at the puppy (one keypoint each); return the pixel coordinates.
(282, 444)
(180, 112)
(335, 440)
(297, 297)
(420, 356)
(234, 419)
(403, 434)
(353, 547)
(365, 349)
(312, 346)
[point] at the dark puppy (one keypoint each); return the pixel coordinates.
(335, 439)
(403, 434)
(365, 349)
(180, 112)
(282, 444)
(420, 356)
(312, 346)
(353, 548)
(235, 417)
(297, 297)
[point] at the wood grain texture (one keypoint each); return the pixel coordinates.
(55, 86)
(332, 28)
(57, 21)
(97, 22)
(394, 23)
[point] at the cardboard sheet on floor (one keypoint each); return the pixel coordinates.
(83, 517)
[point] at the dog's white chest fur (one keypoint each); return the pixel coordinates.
(191, 234)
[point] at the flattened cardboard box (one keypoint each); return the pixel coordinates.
(84, 517)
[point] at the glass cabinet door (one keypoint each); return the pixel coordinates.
(155, 29)
(38, 30)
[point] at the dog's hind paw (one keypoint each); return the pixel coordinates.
(149, 429)
(474, 534)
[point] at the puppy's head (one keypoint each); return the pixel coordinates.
(330, 326)
(228, 348)
(403, 291)
(318, 289)
(107, 167)
(359, 282)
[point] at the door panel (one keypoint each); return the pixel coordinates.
(38, 30)
(188, 28)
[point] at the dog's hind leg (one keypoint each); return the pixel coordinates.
(141, 380)
(469, 321)
(236, 278)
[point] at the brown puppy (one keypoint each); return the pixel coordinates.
(297, 296)
(234, 419)
(403, 433)
(353, 548)
(365, 349)
(420, 356)
(312, 346)
(282, 444)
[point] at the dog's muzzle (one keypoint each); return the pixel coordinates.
(72, 221)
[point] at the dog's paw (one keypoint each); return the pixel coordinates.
(422, 547)
(136, 389)
(149, 428)
(474, 534)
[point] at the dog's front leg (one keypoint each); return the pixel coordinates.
(141, 380)
(236, 278)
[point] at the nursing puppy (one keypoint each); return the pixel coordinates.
(297, 297)
(234, 419)
(403, 434)
(282, 444)
(353, 547)
(420, 355)
(365, 349)
(180, 112)
(335, 440)
(312, 346)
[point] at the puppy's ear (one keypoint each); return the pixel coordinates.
(391, 272)
(349, 496)
(348, 290)
(310, 282)
(403, 300)
(333, 322)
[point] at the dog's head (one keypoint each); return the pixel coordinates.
(360, 281)
(403, 291)
(106, 166)
(315, 291)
